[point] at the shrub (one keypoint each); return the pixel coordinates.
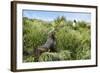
(49, 56)
(72, 44)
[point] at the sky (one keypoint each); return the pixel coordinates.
(51, 15)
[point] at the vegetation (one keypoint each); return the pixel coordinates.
(73, 42)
